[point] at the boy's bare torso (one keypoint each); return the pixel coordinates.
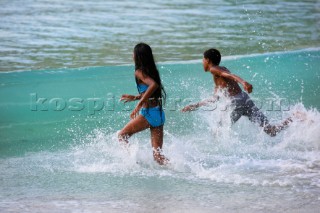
(232, 86)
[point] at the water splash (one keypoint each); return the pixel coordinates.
(239, 154)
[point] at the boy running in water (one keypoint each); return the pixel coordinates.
(244, 106)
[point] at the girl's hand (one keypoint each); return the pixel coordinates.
(135, 112)
(127, 98)
(247, 87)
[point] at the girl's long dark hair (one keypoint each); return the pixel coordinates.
(144, 61)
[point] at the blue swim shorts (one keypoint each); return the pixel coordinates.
(154, 115)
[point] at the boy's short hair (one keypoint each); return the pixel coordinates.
(213, 55)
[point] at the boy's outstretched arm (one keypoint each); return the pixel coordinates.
(205, 102)
(220, 72)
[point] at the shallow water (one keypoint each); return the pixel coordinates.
(58, 156)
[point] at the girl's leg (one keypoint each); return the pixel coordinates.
(135, 125)
(156, 142)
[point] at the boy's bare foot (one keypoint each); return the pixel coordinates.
(301, 116)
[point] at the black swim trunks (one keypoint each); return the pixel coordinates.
(244, 106)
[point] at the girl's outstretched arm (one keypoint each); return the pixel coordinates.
(128, 98)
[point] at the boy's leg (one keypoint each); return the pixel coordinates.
(239, 104)
(256, 116)
(273, 130)
(236, 115)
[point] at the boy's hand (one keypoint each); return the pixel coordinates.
(188, 108)
(247, 87)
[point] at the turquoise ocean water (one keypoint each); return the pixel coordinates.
(63, 75)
